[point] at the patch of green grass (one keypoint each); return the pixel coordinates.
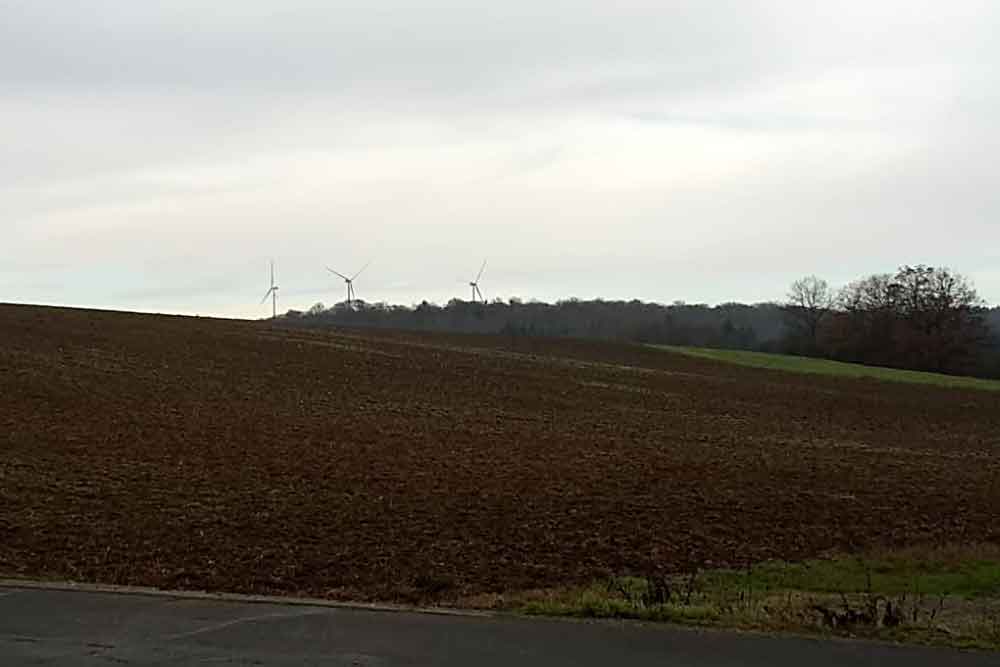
(891, 574)
(932, 595)
(793, 364)
(596, 602)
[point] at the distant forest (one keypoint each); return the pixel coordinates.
(920, 318)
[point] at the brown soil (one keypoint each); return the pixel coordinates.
(194, 453)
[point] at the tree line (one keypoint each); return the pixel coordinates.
(920, 318)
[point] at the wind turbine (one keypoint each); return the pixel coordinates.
(475, 285)
(273, 293)
(350, 282)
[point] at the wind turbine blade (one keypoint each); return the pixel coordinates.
(480, 274)
(262, 301)
(362, 269)
(338, 273)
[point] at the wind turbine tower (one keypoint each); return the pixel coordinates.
(477, 295)
(351, 297)
(273, 294)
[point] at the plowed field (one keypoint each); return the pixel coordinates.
(193, 453)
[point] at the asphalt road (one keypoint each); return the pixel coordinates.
(88, 628)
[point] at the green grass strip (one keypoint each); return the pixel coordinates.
(793, 364)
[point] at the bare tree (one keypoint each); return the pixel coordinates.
(923, 317)
(934, 292)
(944, 316)
(810, 300)
(875, 293)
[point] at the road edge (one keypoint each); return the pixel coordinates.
(13, 584)
(146, 591)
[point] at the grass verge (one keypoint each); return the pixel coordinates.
(793, 364)
(936, 596)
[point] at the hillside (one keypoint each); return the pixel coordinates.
(225, 455)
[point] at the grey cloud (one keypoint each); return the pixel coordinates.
(681, 145)
(419, 49)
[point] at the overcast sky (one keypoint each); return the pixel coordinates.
(155, 155)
